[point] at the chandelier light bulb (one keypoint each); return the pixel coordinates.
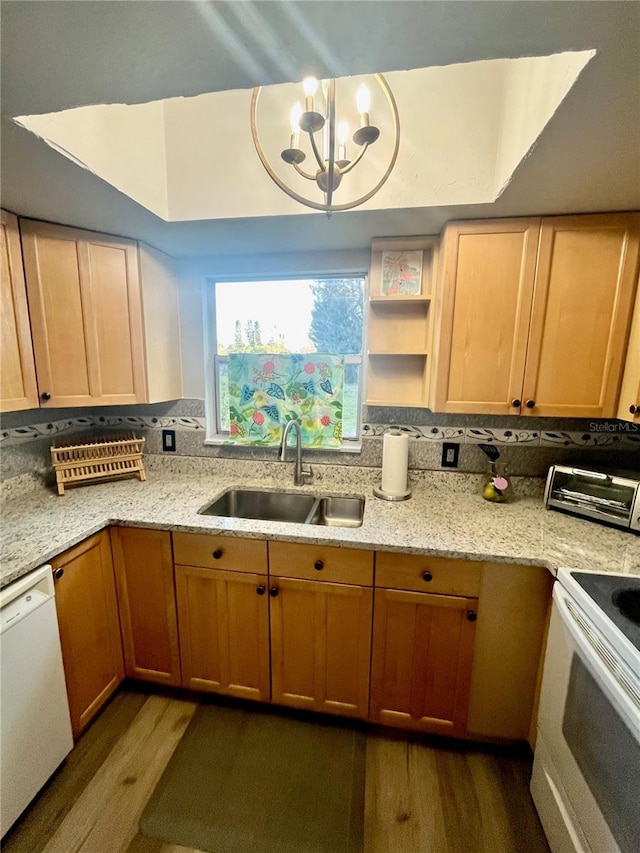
(363, 99)
(294, 118)
(343, 132)
(310, 86)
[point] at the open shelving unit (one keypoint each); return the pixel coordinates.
(400, 328)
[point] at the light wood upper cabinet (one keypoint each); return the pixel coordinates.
(629, 401)
(87, 609)
(146, 593)
(585, 282)
(535, 314)
(104, 318)
(18, 388)
(86, 316)
(487, 287)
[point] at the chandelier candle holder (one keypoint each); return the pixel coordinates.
(331, 153)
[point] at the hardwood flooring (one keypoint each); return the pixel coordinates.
(422, 795)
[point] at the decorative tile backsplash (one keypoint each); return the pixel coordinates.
(25, 438)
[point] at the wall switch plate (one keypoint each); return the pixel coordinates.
(169, 440)
(450, 453)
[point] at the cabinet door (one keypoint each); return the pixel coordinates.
(585, 281)
(421, 660)
(86, 318)
(629, 401)
(146, 594)
(18, 389)
(224, 631)
(320, 646)
(487, 287)
(89, 628)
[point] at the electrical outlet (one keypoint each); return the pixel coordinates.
(450, 453)
(169, 440)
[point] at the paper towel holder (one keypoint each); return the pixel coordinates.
(385, 496)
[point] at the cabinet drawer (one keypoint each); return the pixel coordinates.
(220, 552)
(427, 574)
(321, 563)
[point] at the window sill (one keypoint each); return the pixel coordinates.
(347, 446)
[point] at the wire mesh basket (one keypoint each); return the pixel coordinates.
(101, 460)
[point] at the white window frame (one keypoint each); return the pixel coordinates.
(214, 434)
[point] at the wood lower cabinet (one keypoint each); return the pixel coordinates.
(223, 614)
(146, 593)
(224, 631)
(18, 388)
(421, 660)
(320, 645)
(87, 610)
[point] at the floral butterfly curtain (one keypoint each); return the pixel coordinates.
(266, 390)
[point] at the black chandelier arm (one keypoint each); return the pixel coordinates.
(355, 162)
(304, 174)
(315, 151)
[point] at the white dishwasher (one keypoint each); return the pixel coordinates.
(35, 729)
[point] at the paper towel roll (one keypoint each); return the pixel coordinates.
(395, 462)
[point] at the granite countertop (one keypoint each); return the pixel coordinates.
(446, 516)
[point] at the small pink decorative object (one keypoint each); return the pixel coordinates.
(500, 483)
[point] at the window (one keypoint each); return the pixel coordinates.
(319, 315)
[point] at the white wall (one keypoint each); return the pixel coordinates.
(124, 145)
(533, 90)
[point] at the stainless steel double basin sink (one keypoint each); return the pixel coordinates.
(295, 507)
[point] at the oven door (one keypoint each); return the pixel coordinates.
(586, 780)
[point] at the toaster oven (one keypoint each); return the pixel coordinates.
(609, 497)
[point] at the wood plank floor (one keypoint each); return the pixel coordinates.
(422, 795)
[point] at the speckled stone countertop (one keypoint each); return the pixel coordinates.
(446, 516)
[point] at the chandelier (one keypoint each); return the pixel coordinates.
(328, 142)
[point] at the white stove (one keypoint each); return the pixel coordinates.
(586, 773)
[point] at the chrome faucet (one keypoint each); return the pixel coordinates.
(302, 473)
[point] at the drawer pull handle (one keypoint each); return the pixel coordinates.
(516, 403)
(472, 615)
(217, 554)
(531, 404)
(45, 396)
(261, 589)
(633, 408)
(318, 565)
(58, 573)
(274, 591)
(427, 576)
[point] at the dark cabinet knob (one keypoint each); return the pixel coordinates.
(45, 396)
(530, 404)
(427, 576)
(472, 615)
(261, 589)
(274, 591)
(217, 554)
(318, 565)
(634, 408)
(516, 403)
(57, 573)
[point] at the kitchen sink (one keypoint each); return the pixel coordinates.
(337, 512)
(293, 507)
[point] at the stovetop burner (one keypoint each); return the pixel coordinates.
(619, 597)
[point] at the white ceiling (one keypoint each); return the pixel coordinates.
(57, 55)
